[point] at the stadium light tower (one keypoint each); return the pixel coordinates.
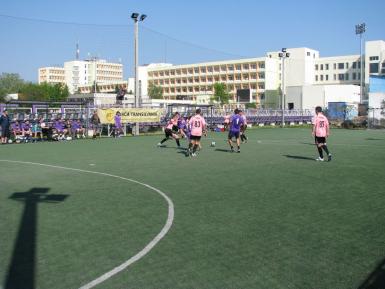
(136, 17)
(360, 29)
(283, 55)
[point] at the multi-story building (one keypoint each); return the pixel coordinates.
(79, 73)
(52, 75)
(193, 80)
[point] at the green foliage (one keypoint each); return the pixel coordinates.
(10, 83)
(44, 92)
(221, 94)
(251, 105)
(155, 92)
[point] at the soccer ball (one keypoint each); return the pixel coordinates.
(10, 141)
(213, 144)
(69, 138)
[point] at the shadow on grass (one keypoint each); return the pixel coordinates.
(376, 280)
(21, 270)
(308, 143)
(299, 157)
(374, 139)
(223, 150)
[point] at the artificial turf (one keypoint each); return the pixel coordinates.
(269, 217)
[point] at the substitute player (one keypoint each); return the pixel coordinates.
(236, 121)
(321, 132)
(168, 131)
(197, 126)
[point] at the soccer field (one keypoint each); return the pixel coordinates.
(269, 217)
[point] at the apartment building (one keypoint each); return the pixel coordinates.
(52, 75)
(79, 73)
(197, 79)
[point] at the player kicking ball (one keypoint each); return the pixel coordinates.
(321, 132)
(197, 125)
(169, 130)
(236, 122)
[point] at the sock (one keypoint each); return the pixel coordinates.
(231, 147)
(190, 145)
(195, 148)
(163, 140)
(321, 155)
(177, 142)
(325, 149)
(239, 147)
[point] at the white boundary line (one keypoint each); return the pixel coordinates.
(146, 249)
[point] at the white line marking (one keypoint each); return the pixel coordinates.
(146, 249)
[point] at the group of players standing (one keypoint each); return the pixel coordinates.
(193, 127)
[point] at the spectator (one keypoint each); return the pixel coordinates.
(5, 123)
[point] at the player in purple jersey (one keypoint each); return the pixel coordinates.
(118, 130)
(236, 121)
(182, 126)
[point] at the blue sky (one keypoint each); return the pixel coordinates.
(179, 32)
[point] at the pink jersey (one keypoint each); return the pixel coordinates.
(227, 119)
(321, 125)
(171, 123)
(197, 124)
(244, 119)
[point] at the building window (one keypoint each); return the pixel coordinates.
(346, 76)
(359, 76)
(326, 77)
(354, 75)
(373, 67)
(341, 76)
(322, 78)
(340, 65)
(354, 65)
(373, 58)
(335, 77)
(326, 66)
(347, 65)
(335, 66)
(322, 67)
(316, 67)
(316, 78)
(308, 53)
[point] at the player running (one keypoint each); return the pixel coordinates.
(243, 127)
(236, 121)
(321, 132)
(172, 124)
(197, 126)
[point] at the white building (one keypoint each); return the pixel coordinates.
(52, 75)
(79, 73)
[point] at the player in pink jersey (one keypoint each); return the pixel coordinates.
(197, 125)
(171, 130)
(321, 132)
(243, 127)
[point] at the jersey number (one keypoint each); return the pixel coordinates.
(321, 124)
(197, 123)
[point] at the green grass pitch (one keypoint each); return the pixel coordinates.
(269, 217)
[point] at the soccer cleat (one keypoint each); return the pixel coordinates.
(238, 151)
(159, 144)
(193, 154)
(232, 149)
(188, 153)
(319, 159)
(329, 157)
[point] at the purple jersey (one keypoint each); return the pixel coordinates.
(25, 126)
(236, 121)
(181, 123)
(15, 126)
(75, 125)
(118, 121)
(59, 125)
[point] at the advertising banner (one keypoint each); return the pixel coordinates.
(130, 115)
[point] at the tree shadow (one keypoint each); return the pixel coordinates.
(374, 139)
(21, 270)
(299, 157)
(376, 280)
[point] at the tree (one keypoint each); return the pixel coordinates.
(10, 83)
(44, 92)
(221, 94)
(155, 92)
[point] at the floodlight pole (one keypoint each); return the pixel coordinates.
(360, 29)
(137, 18)
(283, 55)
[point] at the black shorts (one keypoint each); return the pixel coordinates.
(195, 137)
(168, 132)
(319, 140)
(233, 134)
(243, 127)
(5, 132)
